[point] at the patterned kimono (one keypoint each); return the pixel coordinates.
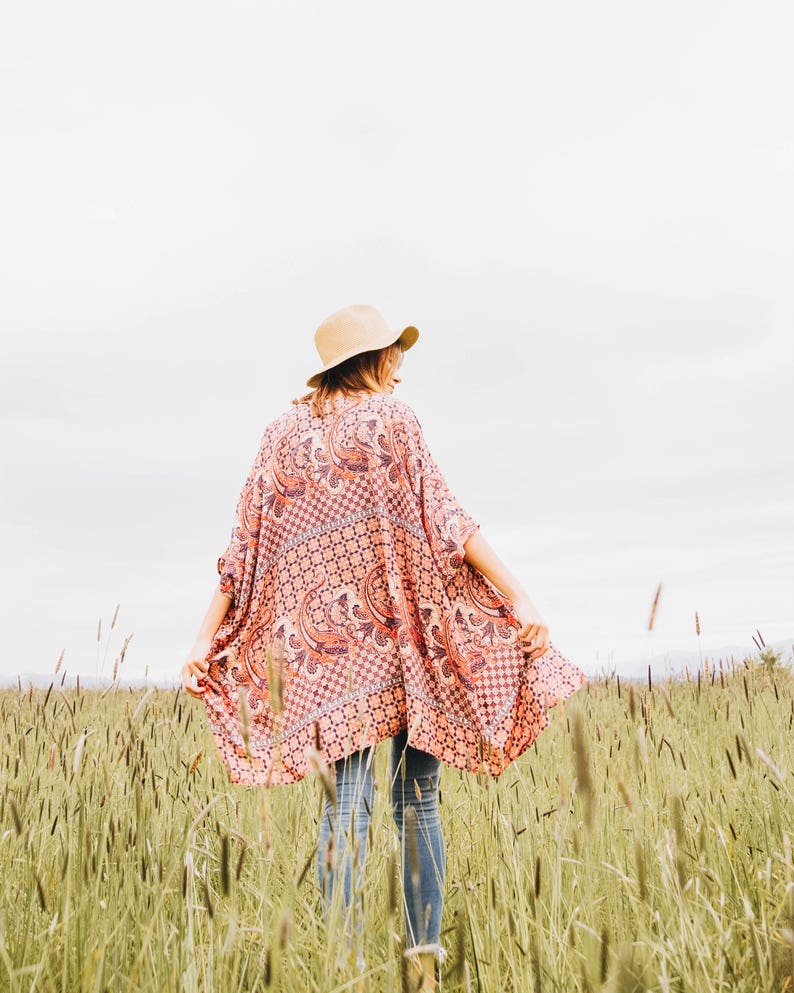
(354, 614)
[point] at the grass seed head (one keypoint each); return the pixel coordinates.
(320, 768)
(583, 778)
(244, 720)
(275, 677)
(625, 793)
(410, 826)
(604, 966)
(285, 930)
(654, 607)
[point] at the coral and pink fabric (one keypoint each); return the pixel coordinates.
(346, 560)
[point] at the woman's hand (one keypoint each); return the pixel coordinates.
(534, 631)
(196, 667)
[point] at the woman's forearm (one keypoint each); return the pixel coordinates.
(215, 614)
(481, 556)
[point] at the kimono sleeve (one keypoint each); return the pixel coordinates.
(237, 564)
(447, 525)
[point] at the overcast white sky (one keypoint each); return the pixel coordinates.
(587, 210)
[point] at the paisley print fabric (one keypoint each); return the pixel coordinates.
(354, 615)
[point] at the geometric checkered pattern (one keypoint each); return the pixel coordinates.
(354, 614)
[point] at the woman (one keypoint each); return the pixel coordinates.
(358, 601)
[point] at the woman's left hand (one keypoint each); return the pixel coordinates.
(534, 631)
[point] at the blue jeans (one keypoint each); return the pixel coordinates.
(414, 791)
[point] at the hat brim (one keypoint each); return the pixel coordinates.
(407, 338)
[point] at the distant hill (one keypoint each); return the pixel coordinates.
(675, 662)
(42, 680)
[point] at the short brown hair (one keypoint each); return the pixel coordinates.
(365, 371)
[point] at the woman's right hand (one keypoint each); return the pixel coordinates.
(196, 667)
(534, 631)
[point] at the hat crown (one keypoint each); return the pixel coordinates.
(358, 328)
(353, 330)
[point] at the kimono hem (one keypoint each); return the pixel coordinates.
(354, 614)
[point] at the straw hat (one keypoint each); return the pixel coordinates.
(353, 330)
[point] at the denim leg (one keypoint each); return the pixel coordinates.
(342, 840)
(415, 778)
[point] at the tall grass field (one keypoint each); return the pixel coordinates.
(644, 842)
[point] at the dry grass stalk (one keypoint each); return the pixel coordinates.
(78, 752)
(275, 678)
(770, 765)
(625, 793)
(583, 778)
(654, 606)
(225, 864)
(666, 698)
(285, 930)
(604, 964)
(639, 860)
(101, 833)
(392, 874)
(244, 721)
(319, 768)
